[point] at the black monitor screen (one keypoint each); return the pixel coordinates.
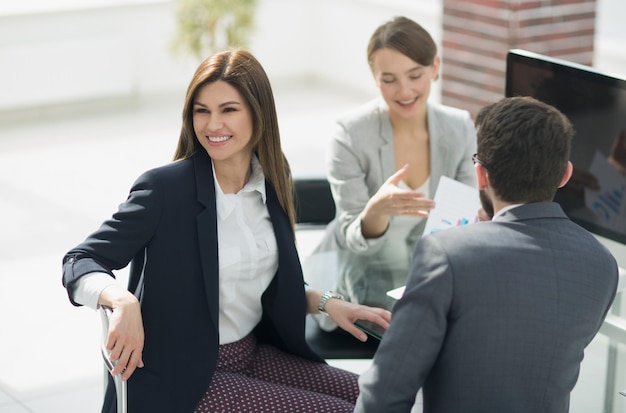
(595, 103)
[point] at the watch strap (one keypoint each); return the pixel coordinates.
(325, 297)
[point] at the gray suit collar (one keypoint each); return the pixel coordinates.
(533, 210)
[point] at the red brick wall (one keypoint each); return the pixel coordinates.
(478, 33)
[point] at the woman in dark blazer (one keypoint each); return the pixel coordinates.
(213, 317)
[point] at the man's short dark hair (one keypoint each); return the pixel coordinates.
(524, 144)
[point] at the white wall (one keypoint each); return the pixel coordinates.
(60, 52)
(56, 52)
(610, 39)
(327, 39)
(74, 53)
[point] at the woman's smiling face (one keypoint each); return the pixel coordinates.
(222, 122)
(403, 83)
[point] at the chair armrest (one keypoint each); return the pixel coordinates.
(120, 385)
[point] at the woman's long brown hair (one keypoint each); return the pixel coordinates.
(241, 70)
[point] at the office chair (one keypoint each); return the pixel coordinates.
(120, 385)
(315, 208)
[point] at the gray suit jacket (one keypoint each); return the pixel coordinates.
(361, 159)
(495, 317)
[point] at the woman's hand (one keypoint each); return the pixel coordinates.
(126, 335)
(390, 200)
(345, 313)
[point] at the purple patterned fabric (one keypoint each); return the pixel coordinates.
(261, 378)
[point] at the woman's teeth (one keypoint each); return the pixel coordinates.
(219, 138)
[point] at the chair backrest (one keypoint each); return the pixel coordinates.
(313, 201)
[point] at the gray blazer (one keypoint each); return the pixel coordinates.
(361, 159)
(495, 317)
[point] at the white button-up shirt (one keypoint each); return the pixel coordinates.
(248, 255)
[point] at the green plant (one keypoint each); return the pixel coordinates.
(208, 26)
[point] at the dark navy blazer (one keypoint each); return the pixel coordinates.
(167, 230)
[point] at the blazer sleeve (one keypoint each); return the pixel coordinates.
(347, 176)
(118, 239)
(417, 331)
(359, 160)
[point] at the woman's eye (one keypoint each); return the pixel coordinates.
(229, 109)
(416, 77)
(200, 110)
(388, 81)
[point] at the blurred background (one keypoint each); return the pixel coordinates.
(91, 95)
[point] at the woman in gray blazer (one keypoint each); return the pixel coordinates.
(384, 164)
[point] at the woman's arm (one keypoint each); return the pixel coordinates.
(112, 247)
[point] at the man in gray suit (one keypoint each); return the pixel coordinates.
(496, 315)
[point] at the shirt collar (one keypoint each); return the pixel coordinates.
(224, 204)
(503, 210)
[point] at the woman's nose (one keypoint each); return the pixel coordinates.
(404, 89)
(215, 123)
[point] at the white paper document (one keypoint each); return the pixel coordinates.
(396, 293)
(456, 204)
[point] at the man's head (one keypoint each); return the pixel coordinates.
(523, 149)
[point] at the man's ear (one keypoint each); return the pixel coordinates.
(481, 176)
(567, 175)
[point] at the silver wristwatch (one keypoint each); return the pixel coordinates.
(327, 296)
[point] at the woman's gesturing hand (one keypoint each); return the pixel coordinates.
(391, 200)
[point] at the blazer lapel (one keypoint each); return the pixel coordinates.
(386, 150)
(438, 149)
(206, 222)
(284, 301)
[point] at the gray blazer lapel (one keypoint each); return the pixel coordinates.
(438, 149)
(387, 155)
